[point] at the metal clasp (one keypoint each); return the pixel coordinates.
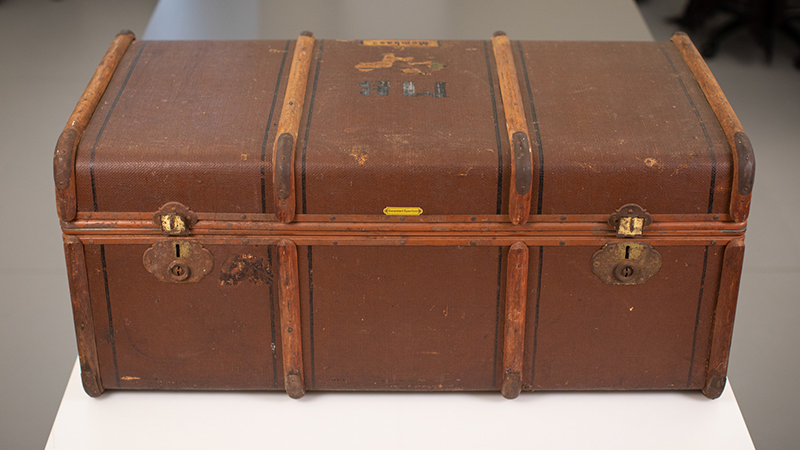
(630, 220)
(175, 219)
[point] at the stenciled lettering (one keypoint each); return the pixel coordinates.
(381, 88)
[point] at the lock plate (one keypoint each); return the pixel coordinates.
(178, 261)
(626, 263)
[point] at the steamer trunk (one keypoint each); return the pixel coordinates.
(403, 215)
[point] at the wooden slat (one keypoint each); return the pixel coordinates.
(67, 145)
(290, 319)
(516, 302)
(519, 200)
(742, 152)
(283, 155)
(82, 315)
(724, 314)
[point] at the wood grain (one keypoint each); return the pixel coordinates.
(67, 145)
(516, 305)
(740, 204)
(519, 205)
(289, 123)
(724, 314)
(82, 314)
(290, 319)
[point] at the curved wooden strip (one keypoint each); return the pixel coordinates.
(67, 145)
(284, 150)
(519, 200)
(744, 163)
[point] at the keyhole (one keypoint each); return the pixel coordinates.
(178, 271)
(178, 250)
(627, 252)
(627, 271)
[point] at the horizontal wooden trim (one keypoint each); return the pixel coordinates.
(411, 241)
(204, 228)
(455, 219)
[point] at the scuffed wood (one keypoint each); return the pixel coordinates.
(82, 315)
(67, 145)
(724, 314)
(516, 303)
(740, 203)
(288, 125)
(289, 294)
(519, 206)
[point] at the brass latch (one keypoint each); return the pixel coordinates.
(630, 220)
(175, 219)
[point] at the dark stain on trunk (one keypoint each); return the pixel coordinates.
(239, 268)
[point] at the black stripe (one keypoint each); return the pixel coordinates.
(496, 131)
(497, 316)
(308, 127)
(697, 316)
(266, 132)
(105, 122)
(535, 128)
(274, 345)
(111, 335)
(705, 133)
(311, 316)
(536, 314)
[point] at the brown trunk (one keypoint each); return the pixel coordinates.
(435, 215)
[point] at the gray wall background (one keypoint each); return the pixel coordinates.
(49, 50)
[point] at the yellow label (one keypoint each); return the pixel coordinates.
(400, 43)
(401, 211)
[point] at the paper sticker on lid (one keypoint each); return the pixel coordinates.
(399, 43)
(402, 211)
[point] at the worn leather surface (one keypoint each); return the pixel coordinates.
(611, 123)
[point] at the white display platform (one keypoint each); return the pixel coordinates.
(545, 420)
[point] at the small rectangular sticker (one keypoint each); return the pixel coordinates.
(402, 211)
(399, 43)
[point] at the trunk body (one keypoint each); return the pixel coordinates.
(404, 215)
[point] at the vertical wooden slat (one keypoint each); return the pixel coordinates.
(283, 154)
(519, 200)
(516, 302)
(82, 315)
(744, 162)
(67, 145)
(290, 319)
(724, 314)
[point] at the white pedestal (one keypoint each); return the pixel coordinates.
(241, 420)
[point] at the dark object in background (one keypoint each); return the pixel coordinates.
(762, 18)
(403, 215)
